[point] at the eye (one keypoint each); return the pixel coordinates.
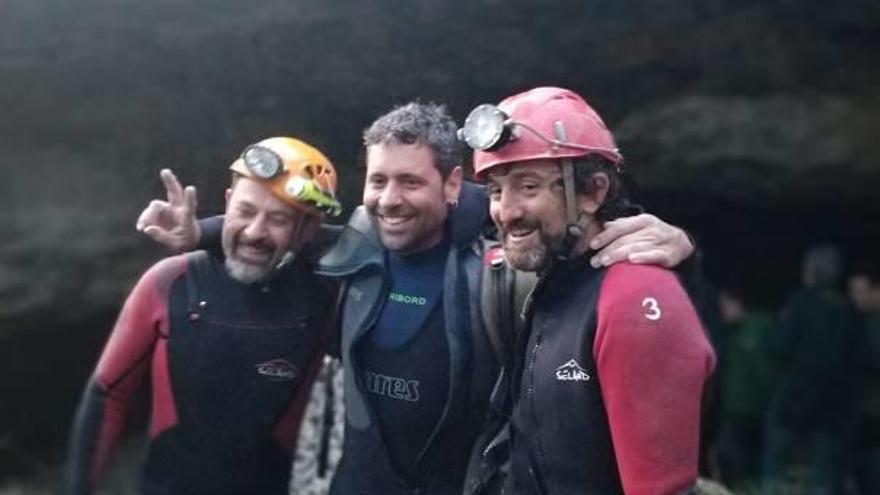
(529, 187)
(245, 210)
(279, 220)
(376, 181)
(494, 192)
(412, 182)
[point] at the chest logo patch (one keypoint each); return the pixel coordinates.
(572, 372)
(355, 293)
(407, 299)
(278, 370)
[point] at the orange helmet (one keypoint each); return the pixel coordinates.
(294, 171)
(544, 122)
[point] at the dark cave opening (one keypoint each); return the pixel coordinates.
(760, 245)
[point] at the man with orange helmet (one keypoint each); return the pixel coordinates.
(607, 378)
(231, 342)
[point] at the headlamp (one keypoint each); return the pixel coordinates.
(487, 128)
(294, 182)
(261, 161)
(308, 192)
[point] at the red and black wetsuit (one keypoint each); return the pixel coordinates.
(230, 368)
(608, 384)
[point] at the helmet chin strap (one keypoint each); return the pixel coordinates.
(287, 259)
(573, 229)
(265, 282)
(290, 255)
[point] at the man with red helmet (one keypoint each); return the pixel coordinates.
(608, 378)
(232, 342)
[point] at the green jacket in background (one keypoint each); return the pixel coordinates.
(747, 373)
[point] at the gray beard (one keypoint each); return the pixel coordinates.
(245, 272)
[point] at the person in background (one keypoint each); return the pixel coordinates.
(812, 408)
(746, 381)
(863, 288)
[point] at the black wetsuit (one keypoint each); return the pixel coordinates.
(608, 384)
(230, 365)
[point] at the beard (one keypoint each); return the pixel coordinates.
(245, 271)
(536, 256)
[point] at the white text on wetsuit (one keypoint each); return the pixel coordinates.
(390, 386)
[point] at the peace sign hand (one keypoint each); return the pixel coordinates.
(172, 223)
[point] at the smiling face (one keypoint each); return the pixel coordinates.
(259, 229)
(527, 205)
(406, 195)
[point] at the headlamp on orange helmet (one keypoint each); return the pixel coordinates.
(294, 171)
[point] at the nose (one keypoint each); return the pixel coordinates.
(256, 228)
(506, 208)
(391, 196)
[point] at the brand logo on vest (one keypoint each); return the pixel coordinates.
(391, 386)
(278, 370)
(572, 372)
(407, 299)
(355, 293)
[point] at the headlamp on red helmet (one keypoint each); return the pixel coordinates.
(488, 128)
(543, 123)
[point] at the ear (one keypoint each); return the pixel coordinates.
(598, 187)
(452, 185)
(228, 194)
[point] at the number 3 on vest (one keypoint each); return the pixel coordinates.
(654, 312)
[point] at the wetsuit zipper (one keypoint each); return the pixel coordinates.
(539, 455)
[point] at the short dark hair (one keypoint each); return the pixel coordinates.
(423, 123)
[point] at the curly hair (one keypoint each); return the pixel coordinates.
(423, 123)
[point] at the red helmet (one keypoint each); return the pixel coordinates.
(541, 123)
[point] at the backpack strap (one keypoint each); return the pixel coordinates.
(503, 300)
(197, 262)
(504, 297)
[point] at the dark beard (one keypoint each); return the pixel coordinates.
(538, 258)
